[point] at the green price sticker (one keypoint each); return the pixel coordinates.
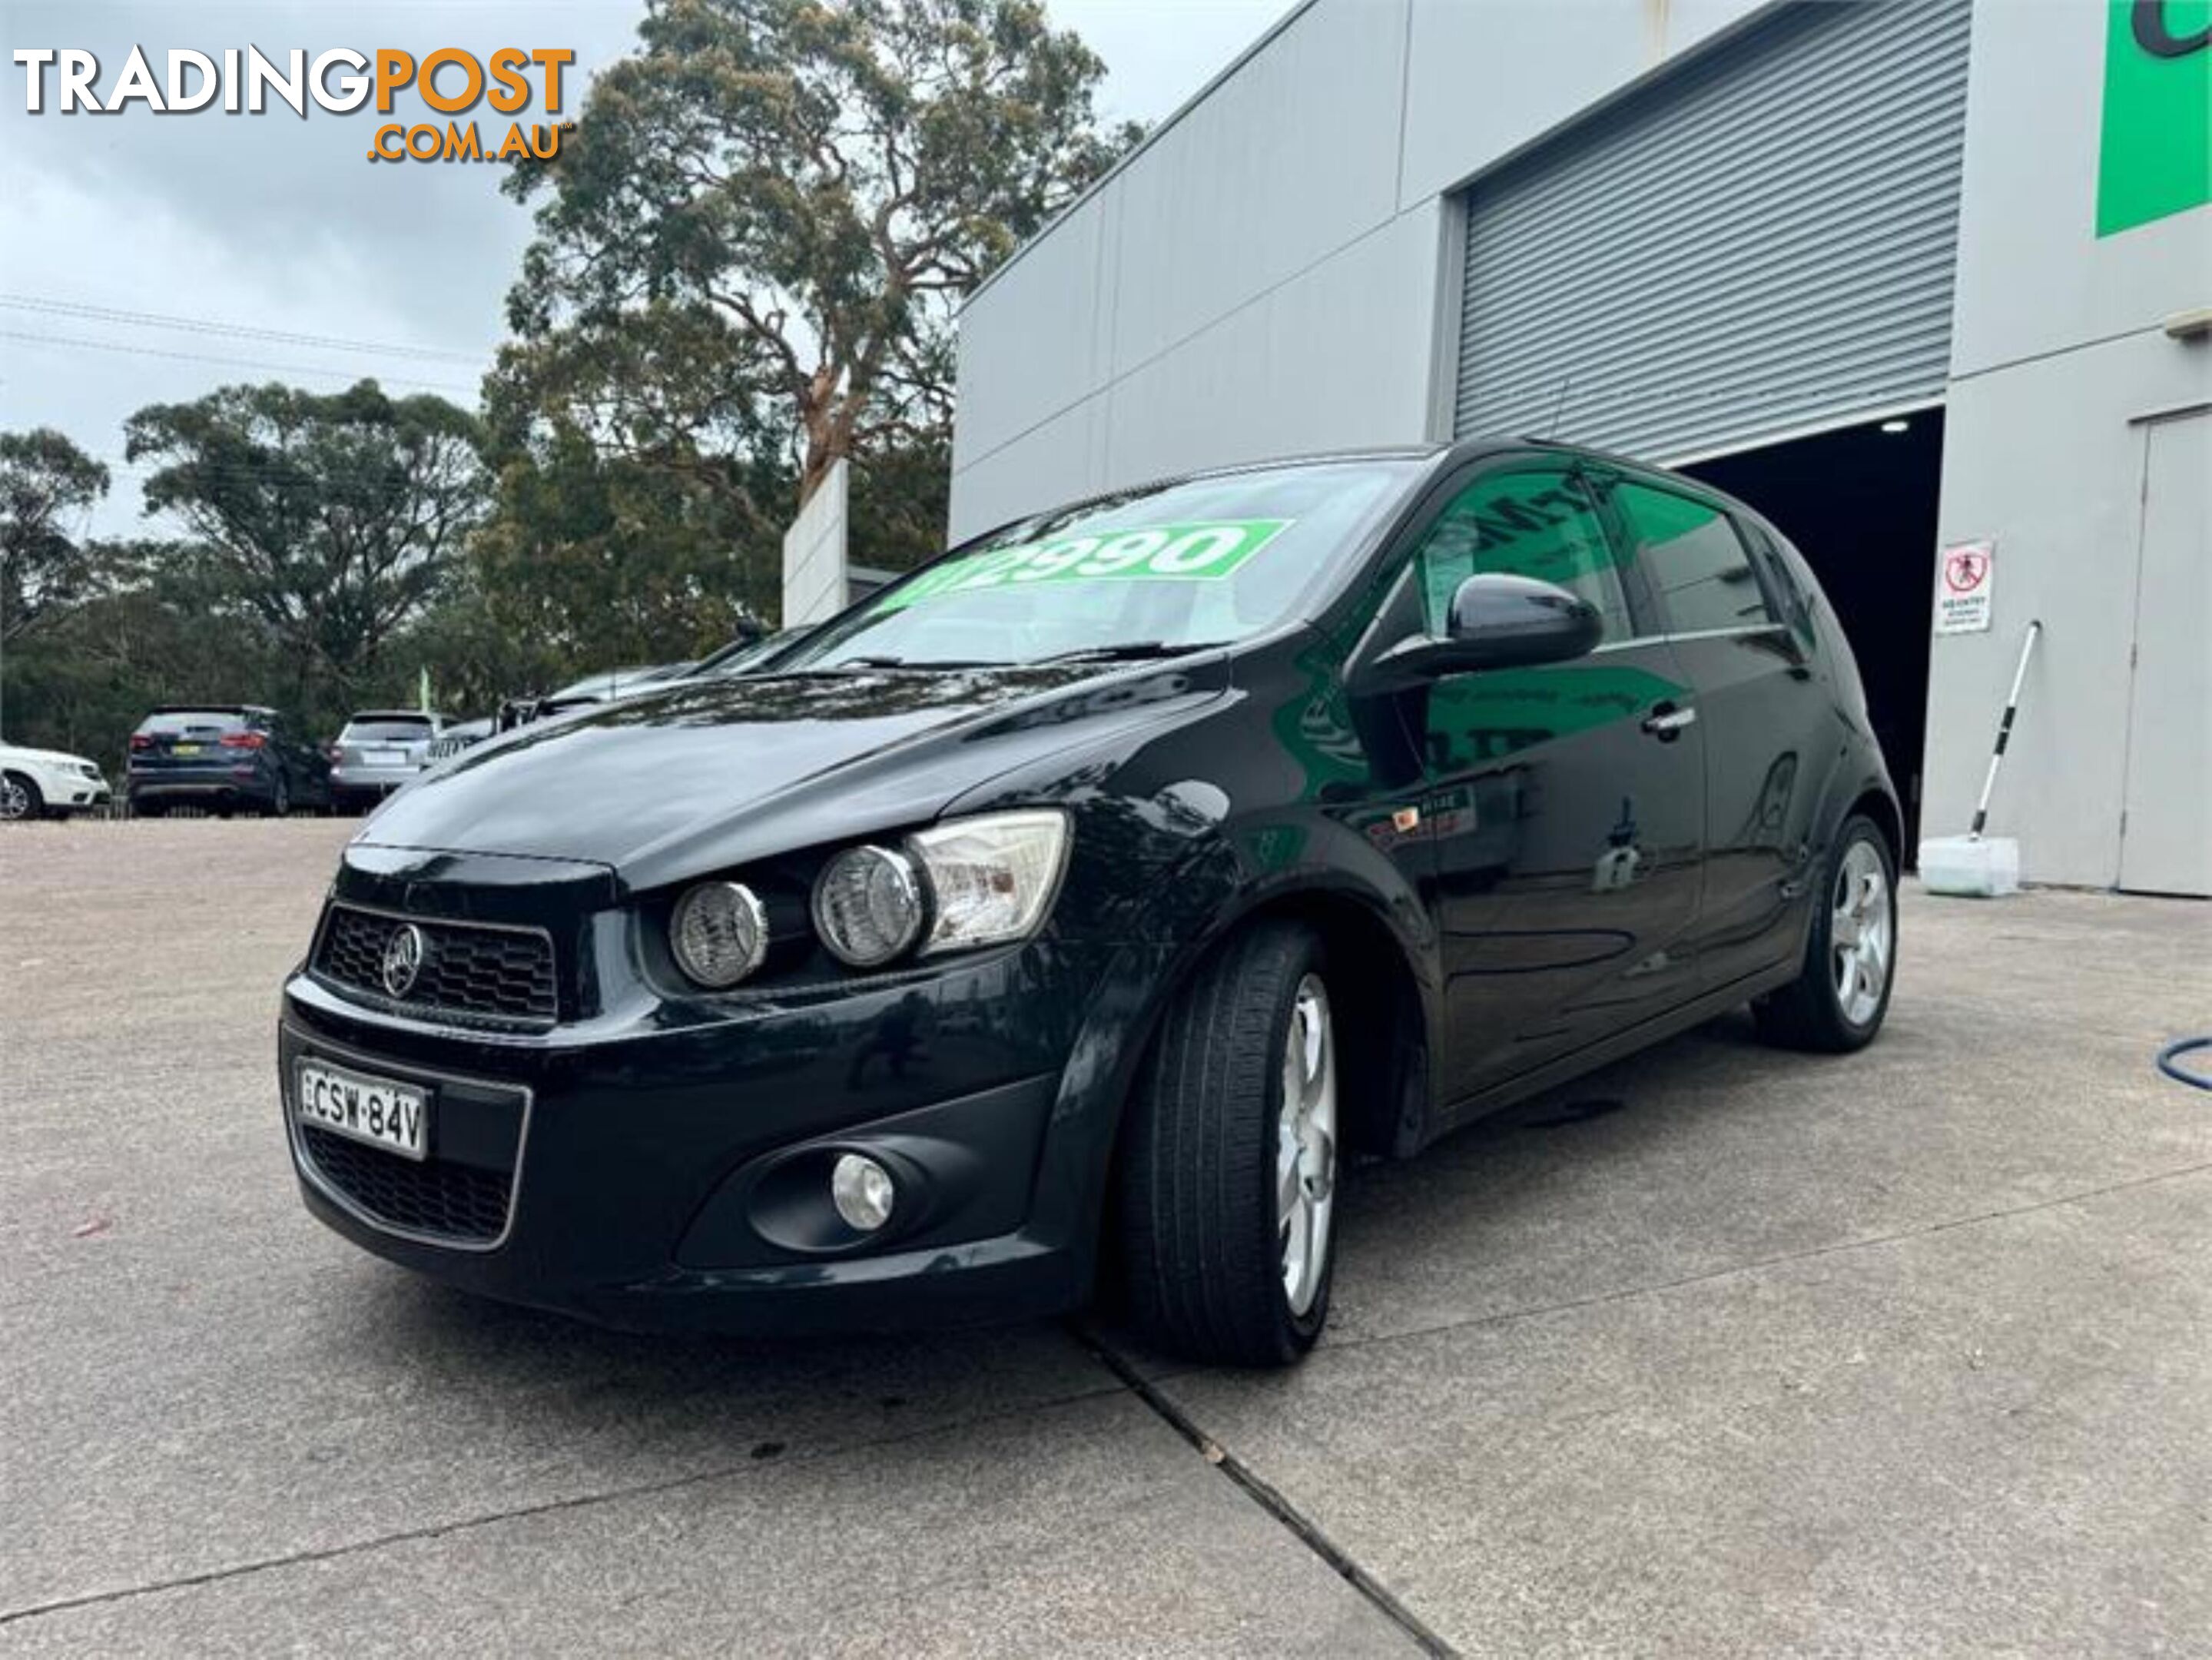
(1203, 552)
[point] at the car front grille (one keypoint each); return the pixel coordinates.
(468, 969)
(440, 1198)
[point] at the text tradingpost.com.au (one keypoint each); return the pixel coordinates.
(450, 80)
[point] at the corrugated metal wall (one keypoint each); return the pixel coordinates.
(1759, 243)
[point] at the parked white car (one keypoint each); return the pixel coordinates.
(45, 783)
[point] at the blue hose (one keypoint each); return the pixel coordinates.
(2169, 1062)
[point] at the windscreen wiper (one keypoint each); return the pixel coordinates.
(843, 663)
(1130, 651)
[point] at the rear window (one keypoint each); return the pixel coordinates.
(176, 723)
(386, 729)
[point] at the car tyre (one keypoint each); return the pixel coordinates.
(280, 801)
(1227, 1182)
(1838, 1002)
(20, 799)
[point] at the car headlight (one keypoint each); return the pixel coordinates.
(719, 932)
(990, 878)
(867, 906)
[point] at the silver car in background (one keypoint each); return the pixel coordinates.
(379, 750)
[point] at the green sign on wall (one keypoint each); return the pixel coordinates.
(2155, 156)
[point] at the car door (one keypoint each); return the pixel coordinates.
(1765, 716)
(1565, 802)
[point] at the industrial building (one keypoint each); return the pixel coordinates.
(1929, 282)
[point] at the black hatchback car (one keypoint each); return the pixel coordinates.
(1089, 897)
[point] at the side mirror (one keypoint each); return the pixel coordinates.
(1497, 622)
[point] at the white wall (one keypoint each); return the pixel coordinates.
(2057, 352)
(1264, 276)
(814, 554)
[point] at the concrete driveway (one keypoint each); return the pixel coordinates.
(1719, 1352)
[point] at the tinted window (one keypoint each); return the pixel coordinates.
(1205, 559)
(385, 729)
(1538, 523)
(1693, 559)
(179, 722)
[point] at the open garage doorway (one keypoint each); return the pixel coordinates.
(1860, 503)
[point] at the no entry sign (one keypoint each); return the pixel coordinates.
(1964, 585)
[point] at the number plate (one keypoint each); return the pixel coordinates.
(393, 1116)
(384, 758)
(184, 749)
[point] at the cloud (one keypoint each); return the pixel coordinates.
(280, 222)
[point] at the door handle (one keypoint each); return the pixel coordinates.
(1666, 721)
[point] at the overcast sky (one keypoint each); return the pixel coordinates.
(252, 228)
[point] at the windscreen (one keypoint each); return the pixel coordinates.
(1204, 561)
(605, 683)
(737, 654)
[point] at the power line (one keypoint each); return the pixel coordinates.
(229, 362)
(242, 331)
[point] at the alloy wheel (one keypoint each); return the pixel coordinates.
(1306, 1147)
(1862, 933)
(15, 799)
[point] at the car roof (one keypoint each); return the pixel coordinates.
(393, 715)
(1440, 456)
(1227, 469)
(211, 708)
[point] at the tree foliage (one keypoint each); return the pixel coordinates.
(745, 266)
(765, 217)
(48, 488)
(331, 521)
(602, 559)
(82, 680)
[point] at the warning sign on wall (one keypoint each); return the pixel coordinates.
(1963, 588)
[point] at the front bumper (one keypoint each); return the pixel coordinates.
(676, 1178)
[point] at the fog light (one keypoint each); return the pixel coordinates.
(862, 1191)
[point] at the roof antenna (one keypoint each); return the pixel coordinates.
(1559, 403)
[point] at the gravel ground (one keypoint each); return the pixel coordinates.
(1717, 1351)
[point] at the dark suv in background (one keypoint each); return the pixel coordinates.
(226, 759)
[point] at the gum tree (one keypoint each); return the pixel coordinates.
(48, 488)
(759, 230)
(330, 521)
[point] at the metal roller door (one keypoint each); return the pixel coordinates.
(1760, 242)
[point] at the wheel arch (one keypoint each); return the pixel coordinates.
(1377, 1006)
(1877, 805)
(1381, 993)
(36, 800)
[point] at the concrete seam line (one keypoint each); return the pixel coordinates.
(525, 1512)
(1628, 1293)
(1300, 1526)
